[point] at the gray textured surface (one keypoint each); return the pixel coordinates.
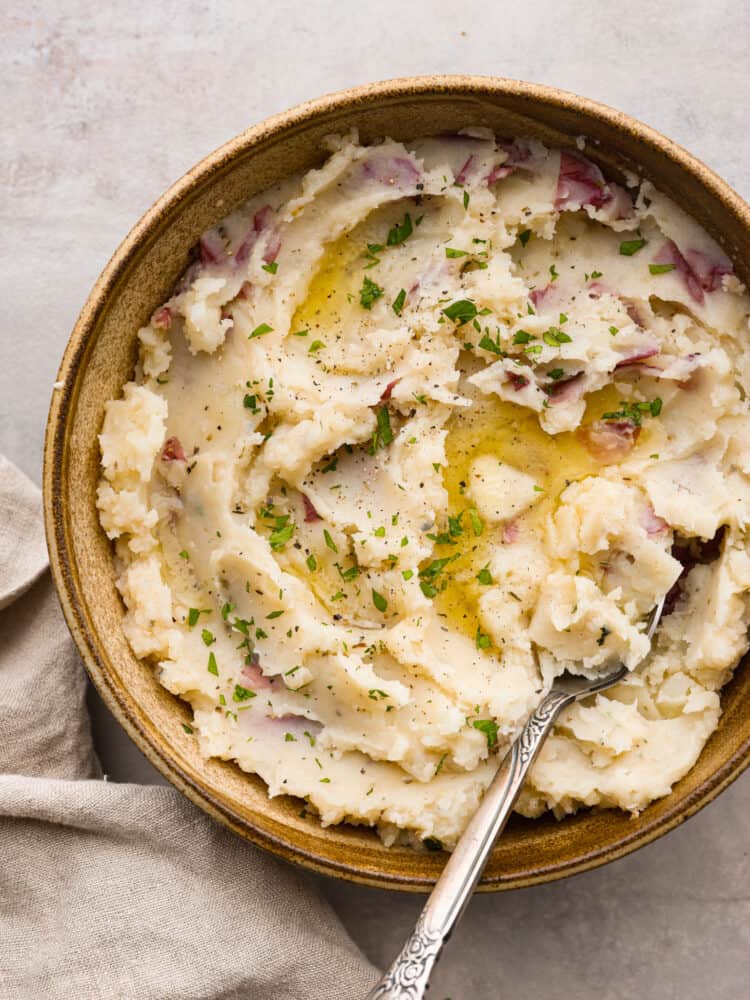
(103, 105)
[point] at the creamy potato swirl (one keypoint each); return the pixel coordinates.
(417, 432)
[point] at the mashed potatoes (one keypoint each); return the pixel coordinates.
(417, 432)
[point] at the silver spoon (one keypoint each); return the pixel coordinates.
(408, 977)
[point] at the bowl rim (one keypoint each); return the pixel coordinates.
(64, 396)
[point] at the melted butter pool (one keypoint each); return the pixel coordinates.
(331, 310)
(511, 434)
(333, 293)
(506, 431)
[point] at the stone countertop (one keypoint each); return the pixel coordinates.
(104, 105)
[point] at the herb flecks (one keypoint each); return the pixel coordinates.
(661, 268)
(489, 727)
(383, 433)
(379, 601)
(398, 303)
(400, 232)
(635, 412)
(369, 292)
(630, 247)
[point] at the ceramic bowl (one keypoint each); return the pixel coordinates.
(99, 359)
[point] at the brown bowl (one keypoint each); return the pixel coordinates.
(99, 359)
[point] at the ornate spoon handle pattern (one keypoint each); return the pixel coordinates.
(408, 977)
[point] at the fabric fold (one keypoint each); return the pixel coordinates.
(119, 890)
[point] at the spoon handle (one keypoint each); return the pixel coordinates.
(408, 977)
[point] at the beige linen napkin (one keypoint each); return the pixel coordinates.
(119, 891)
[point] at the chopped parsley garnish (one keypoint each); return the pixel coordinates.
(430, 574)
(554, 337)
(188, 729)
(373, 249)
(259, 331)
(275, 614)
(212, 666)
(524, 237)
(250, 402)
(488, 344)
(369, 293)
(300, 333)
(242, 694)
(315, 346)
(312, 563)
(453, 253)
(553, 273)
(329, 541)
(184, 554)
(454, 525)
(555, 374)
(382, 435)
(629, 247)
(379, 532)
(489, 728)
(351, 573)
(208, 637)
(379, 601)
(635, 411)
(482, 640)
(476, 522)
(376, 694)
(226, 610)
(195, 613)
(272, 267)
(461, 311)
(400, 232)
(484, 576)
(467, 199)
(522, 337)
(660, 268)
(398, 303)
(283, 531)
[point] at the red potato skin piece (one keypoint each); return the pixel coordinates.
(386, 393)
(567, 389)
(636, 358)
(517, 381)
(311, 514)
(511, 532)
(173, 451)
(609, 441)
(393, 171)
(253, 674)
(162, 318)
(211, 248)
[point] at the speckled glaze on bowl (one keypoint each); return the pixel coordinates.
(99, 360)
